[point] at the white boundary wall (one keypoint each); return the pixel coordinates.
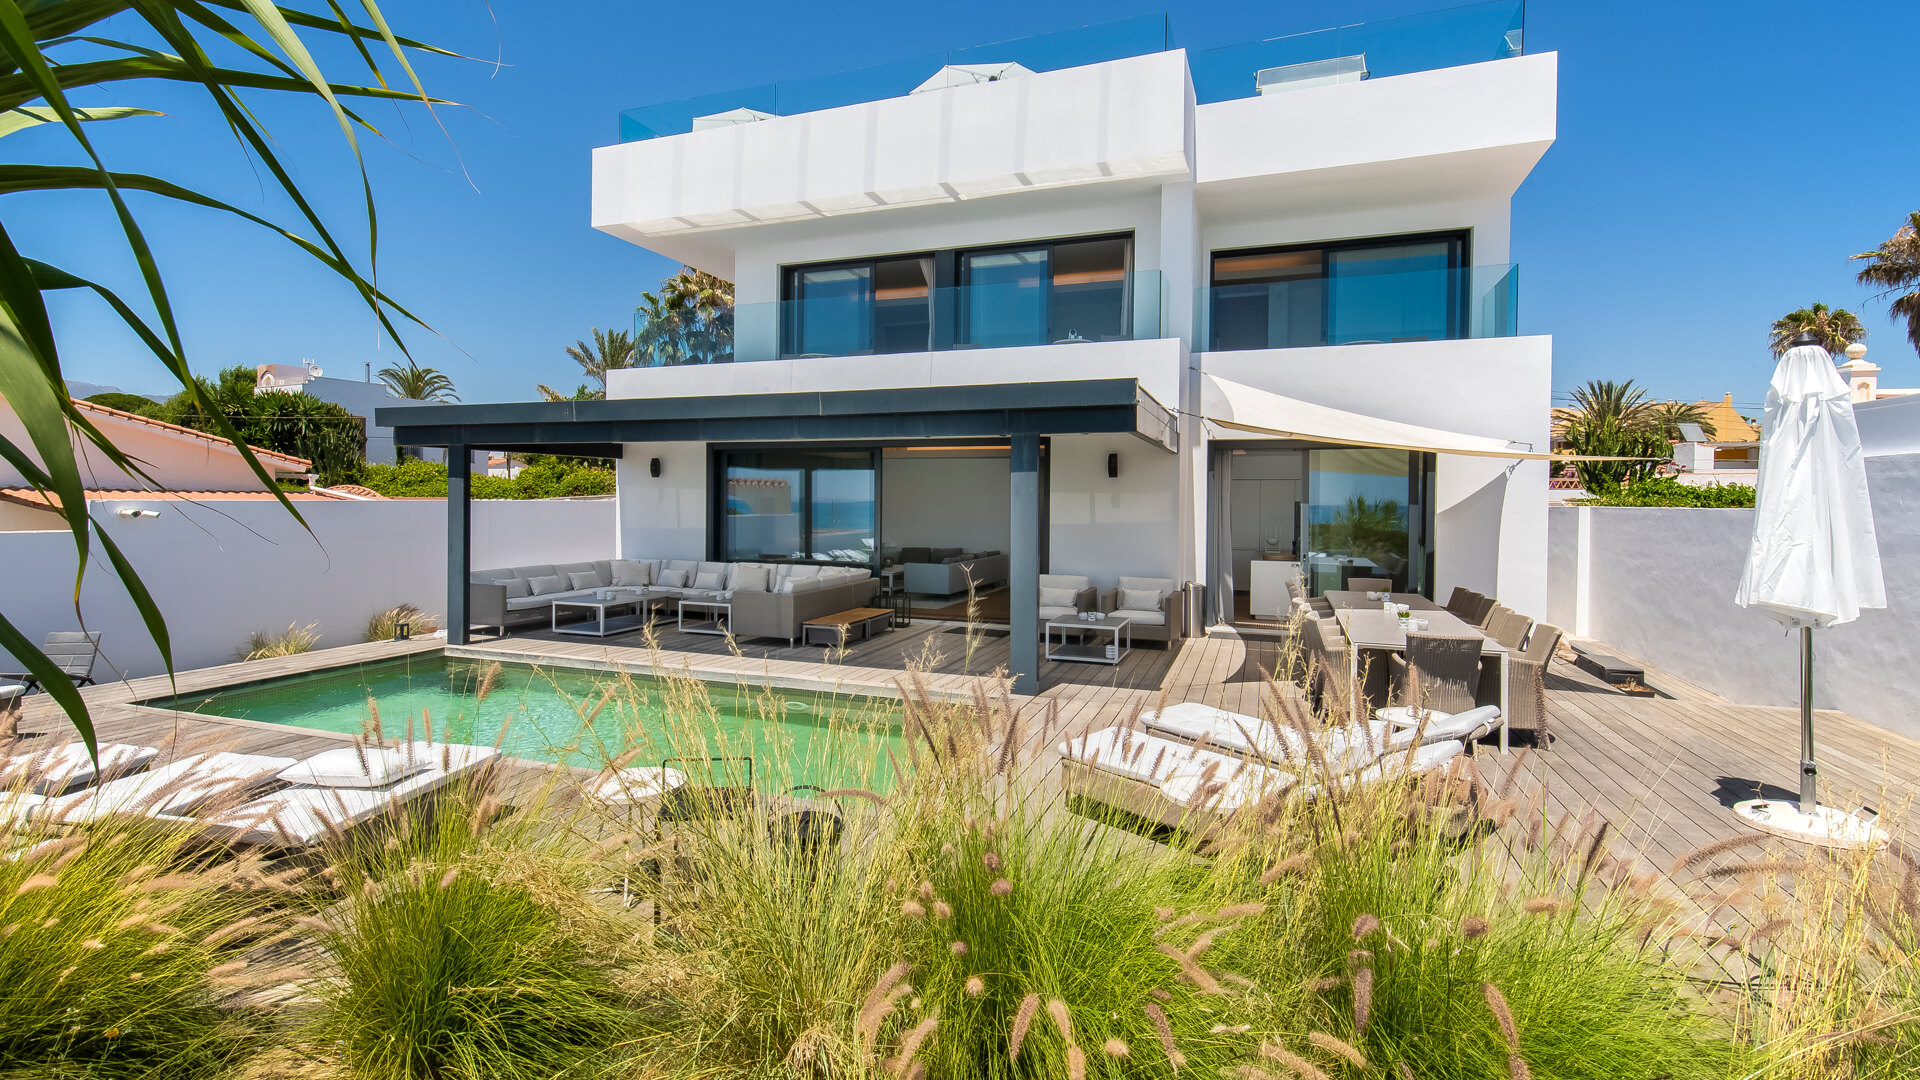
(221, 570)
(1658, 584)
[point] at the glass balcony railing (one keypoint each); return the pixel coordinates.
(1420, 305)
(1122, 307)
(1448, 37)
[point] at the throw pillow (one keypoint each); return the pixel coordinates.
(516, 586)
(588, 580)
(751, 578)
(632, 574)
(1056, 597)
(709, 580)
(355, 767)
(541, 586)
(1140, 599)
(673, 579)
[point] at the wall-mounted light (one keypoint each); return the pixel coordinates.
(136, 512)
(1113, 466)
(653, 468)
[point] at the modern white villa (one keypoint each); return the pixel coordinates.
(1094, 306)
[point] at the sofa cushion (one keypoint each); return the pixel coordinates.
(489, 577)
(531, 571)
(585, 579)
(710, 580)
(528, 603)
(631, 574)
(941, 555)
(714, 568)
(800, 585)
(547, 584)
(1056, 598)
(1075, 582)
(691, 566)
(747, 578)
(1056, 612)
(1161, 585)
(803, 570)
(672, 577)
(916, 554)
(516, 586)
(604, 567)
(1144, 618)
(1140, 599)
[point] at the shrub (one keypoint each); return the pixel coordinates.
(1666, 491)
(384, 624)
(115, 946)
(460, 953)
(289, 642)
(539, 478)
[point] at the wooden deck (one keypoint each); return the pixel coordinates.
(1664, 771)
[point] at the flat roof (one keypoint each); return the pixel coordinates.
(598, 428)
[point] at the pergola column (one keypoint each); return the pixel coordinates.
(459, 541)
(1023, 580)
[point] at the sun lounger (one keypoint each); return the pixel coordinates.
(177, 788)
(305, 813)
(1347, 747)
(65, 765)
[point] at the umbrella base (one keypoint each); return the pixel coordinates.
(1824, 827)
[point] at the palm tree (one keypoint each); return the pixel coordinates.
(418, 383)
(610, 349)
(221, 49)
(583, 393)
(1896, 266)
(1615, 420)
(689, 321)
(1836, 328)
(1669, 415)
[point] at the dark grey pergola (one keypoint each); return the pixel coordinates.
(1021, 413)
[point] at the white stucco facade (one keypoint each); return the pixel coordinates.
(1119, 148)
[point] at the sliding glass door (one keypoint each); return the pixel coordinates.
(1410, 288)
(797, 506)
(1369, 514)
(875, 306)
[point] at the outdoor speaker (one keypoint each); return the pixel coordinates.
(653, 468)
(1113, 466)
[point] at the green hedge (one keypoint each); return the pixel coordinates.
(1666, 491)
(542, 478)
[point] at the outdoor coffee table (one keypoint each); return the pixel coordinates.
(617, 614)
(711, 616)
(1112, 652)
(840, 626)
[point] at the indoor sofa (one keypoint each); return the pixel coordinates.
(951, 571)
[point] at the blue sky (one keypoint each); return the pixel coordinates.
(1716, 164)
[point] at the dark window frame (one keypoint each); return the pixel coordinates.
(717, 460)
(1459, 257)
(948, 319)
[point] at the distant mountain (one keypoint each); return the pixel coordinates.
(78, 389)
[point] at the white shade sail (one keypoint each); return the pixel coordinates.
(968, 74)
(1814, 560)
(1240, 407)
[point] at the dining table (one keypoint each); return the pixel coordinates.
(1368, 625)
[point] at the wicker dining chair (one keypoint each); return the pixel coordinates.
(1526, 681)
(1508, 627)
(1448, 668)
(1326, 649)
(1463, 601)
(1485, 622)
(1369, 584)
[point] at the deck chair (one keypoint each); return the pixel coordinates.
(72, 651)
(61, 767)
(339, 789)
(1349, 746)
(175, 789)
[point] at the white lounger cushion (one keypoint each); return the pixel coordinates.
(637, 783)
(178, 787)
(300, 816)
(1177, 769)
(356, 767)
(61, 766)
(1349, 746)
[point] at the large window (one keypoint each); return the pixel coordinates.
(1368, 513)
(1407, 288)
(1028, 294)
(793, 505)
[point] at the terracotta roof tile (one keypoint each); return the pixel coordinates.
(29, 497)
(299, 464)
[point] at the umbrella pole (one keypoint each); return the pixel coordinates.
(1809, 772)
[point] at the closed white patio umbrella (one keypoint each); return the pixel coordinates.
(1813, 561)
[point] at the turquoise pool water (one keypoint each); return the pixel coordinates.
(584, 718)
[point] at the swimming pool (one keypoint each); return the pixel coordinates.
(578, 717)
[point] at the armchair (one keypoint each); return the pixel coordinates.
(1165, 621)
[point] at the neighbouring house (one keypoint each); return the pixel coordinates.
(358, 398)
(1863, 378)
(1122, 311)
(180, 463)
